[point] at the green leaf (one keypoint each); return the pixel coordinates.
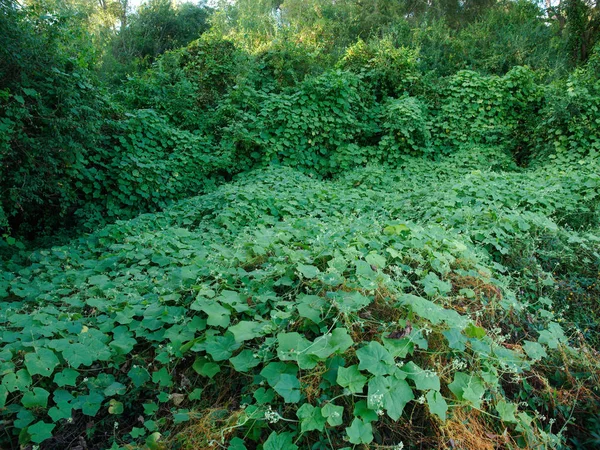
(77, 355)
(245, 330)
(244, 361)
(433, 286)
(138, 375)
(221, 347)
(18, 381)
(264, 396)
(205, 367)
(307, 271)
(311, 418)
(236, 444)
(553, 336)
(456, 340)
(42, 362)
(292, 346)
(351, 378)
(137, 432)
(115, 407)
(360, 432)
(67, 377)
(424, 379)
(468, 387)
(218, 315)
(91, 403)
(196, 394)
(62, 410)
(182, 415)
(534, 350)
(115, 388)
(162, 377)
(40, 431)
(389, 393)
(311, 307)
(362, 411)
(350, 302)
(507, 411)
(473, 331)
(150, 408)
(437, 404)
(38, 398)
(3, 396)
(288, 387)
(283, 441)
(333, 413)
(376, 260)
(433, 312)
(375, 358)
(273, 371)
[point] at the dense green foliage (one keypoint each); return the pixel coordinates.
(302, 224)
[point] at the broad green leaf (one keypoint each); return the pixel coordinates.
(196, 394)
(311, 418)
(273, 371)
(91, 403)
(456, 340)
(375, 358)
(40, 431)
(534, 350)
(288, 387)
(507, 411)
(245, 330)
(307, 271)
(389, 393)
(18, 381)
(138, 375)
(360, 432)
(553, 336)
(218, 315)
(362, 411)
(473, 331)
(77, 355)
(468, 387)
(437, 404)
(350, 302)
(205, 367)
(162, 377)
(424, 379)
(236, 444)
(433, 286)
(351, 378)
(42, 362)
(221, 347)
(115, 407)
(37, 398)
(244, 361)
(333, 413)
(283, 441)
(376, 260)
(312, 307)
(67, 377)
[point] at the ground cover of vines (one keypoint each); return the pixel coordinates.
(415, 306)
(308, 224)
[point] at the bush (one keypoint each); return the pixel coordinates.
(144, 166)
(389, 70)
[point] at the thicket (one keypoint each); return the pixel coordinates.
(313, 224)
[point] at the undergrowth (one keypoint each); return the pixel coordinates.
(437, 304)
